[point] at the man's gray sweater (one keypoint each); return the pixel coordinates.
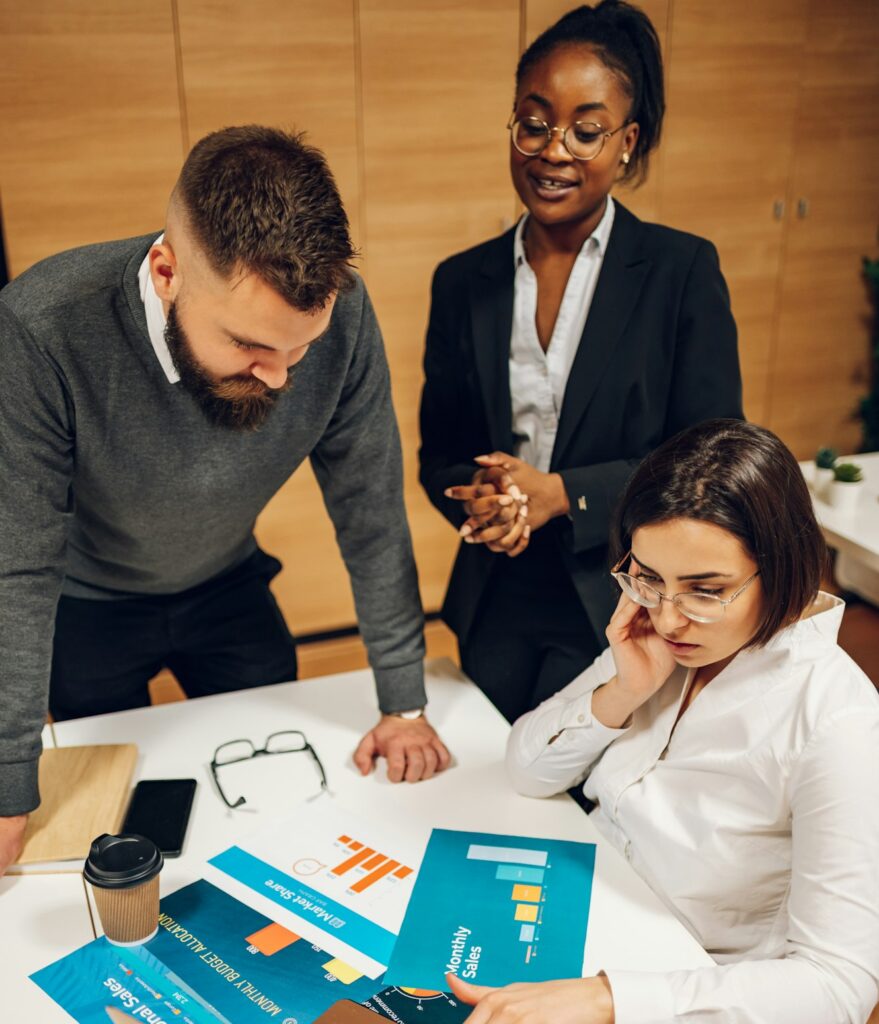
(112, 478)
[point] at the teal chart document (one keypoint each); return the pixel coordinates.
(218, 961)
(495, 909)
(213, 960)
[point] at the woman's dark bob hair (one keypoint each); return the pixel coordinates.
(742, 478)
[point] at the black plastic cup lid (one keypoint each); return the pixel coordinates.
(120, 862)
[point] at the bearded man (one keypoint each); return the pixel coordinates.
(154, 394)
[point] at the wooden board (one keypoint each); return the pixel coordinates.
(85, 791)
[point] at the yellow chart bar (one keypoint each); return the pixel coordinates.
(526, 893)
(347, 975)
(526, 912)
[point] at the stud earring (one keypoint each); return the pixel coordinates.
(625, 158)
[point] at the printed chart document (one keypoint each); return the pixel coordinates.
(495, 909)
(105, 984)
(247, 967)
(216, 961)
(338, 881)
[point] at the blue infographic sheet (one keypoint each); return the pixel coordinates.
(214, 958)
(495, 909)
(105, 984)
(217, 961)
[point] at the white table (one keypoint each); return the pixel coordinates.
(855, 535)
(628, 925)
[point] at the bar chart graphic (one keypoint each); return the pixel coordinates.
(495, 909)
(338, 880)
(522, 872)
(374, 865)
(274, 937)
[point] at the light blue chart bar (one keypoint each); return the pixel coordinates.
(513, 873)
(526, 933)
(507, 855)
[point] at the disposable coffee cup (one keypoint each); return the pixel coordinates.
(123, 872)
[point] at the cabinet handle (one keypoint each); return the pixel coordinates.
(802, 208)
(778, 209)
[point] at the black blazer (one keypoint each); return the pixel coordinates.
(657, 354)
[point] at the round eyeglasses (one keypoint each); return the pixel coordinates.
(584, 140)
(692, 604)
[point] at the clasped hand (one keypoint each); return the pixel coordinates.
(507, 500)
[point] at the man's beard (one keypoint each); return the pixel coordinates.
(237, 403)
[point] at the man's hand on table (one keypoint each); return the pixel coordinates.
(11, 840)
(412, 749)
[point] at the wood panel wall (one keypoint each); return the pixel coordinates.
(820, 365)
(90, 127)
(768, 103)
(732, 99)
(425, 66)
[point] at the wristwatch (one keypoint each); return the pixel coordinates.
(410, 716)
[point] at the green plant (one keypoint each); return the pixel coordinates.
(869, 409)
(825, 458)
(848, 473)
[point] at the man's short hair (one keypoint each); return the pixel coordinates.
(260, 200)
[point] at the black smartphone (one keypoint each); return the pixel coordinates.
(159, 810)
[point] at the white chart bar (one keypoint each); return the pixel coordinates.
(507, 855)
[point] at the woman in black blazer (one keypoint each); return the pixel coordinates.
(559, 354)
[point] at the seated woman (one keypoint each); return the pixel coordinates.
(731, 748)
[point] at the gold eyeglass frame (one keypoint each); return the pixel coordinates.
(603, 135)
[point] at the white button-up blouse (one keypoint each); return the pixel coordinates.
(755, 819)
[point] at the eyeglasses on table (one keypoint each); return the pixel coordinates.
(287, 741)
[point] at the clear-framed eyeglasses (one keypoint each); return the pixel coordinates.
(584, 140)
(289, 741)
(692, 604)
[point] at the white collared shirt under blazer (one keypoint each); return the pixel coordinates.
(755, 819)
(538, 379)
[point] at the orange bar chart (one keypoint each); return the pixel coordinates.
(375, 876)
(363, 854)
(376, 865)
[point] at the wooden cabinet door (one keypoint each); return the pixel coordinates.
(90, 141)
(427, 69)
(821, 358)
(733, 74)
